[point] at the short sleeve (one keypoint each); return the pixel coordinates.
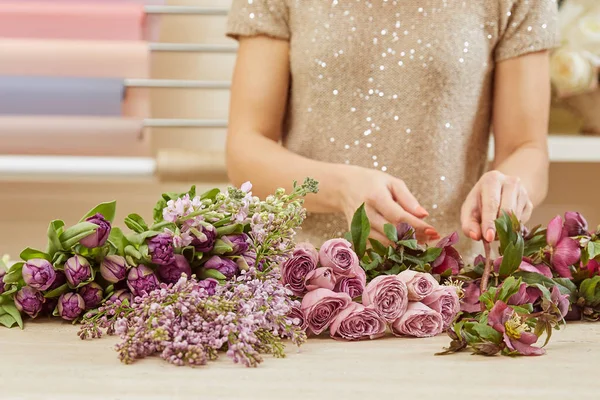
(526, 26)
(258, 17)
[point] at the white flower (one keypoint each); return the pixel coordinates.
(585, 33)
(573, 71)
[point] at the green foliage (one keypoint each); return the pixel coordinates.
(360, 230)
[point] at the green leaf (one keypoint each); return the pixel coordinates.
(593, 249)
(585, 256)
(488, 333)
(431, 254)
(348, 236)
(360, 229)
(545, 292)
(160, 226)
(513, 256)
(370, 266)
(378, 246)
(395, 270)
(488, 298)
(410, 244)
(140, 238)
(136, 223)
(74, 234)
(534, 244)
(588, 291)
(57, 292)
(566, 285)
(107, 210)
(117, 240)
(55, 229)
(533, 278)
(131, 251)
(221, 247)
(157, 212)
(523, 308)
(211, 273)
(14, 274)
(30, 254)
(11, 310)
(189, 252)
(7, 320)
(211, 194)
(230, 230)
(391, 232)
(59, 259)
(509, 287)
(505, 230)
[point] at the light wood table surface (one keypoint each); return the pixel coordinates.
(48, 361)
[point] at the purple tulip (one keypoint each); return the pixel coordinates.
(575, 224)
(70, 306)
(247, 261)
(160, 248)
(77, 270)
(405, 231)
(449, 259)
(92, 294)
(210, 285)
(141, 279)
(121, 295)
(49, 306)
(100, 236)
(60, 280)
(38, 273)
(563, 250)
(172, 272)
(29, 301)
(113, 268)
(239, 243)
(2, 287)
(204, 238)
(224, 265)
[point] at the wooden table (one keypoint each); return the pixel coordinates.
(48, 361)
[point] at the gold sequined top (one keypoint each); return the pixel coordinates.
(403, 86)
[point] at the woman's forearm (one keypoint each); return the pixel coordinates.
(268, 166)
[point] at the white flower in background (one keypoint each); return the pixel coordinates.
(585, 33)
(570, 12)
(574, 71)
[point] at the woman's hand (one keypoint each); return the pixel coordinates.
(386, 199)
(493, 193)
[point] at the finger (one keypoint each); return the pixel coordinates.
(393, 213)
(522, 201)
(510, 196)
(405, 198)
(380, 237)
(491, 192)
(527, 211)
(470, 216)
(377, 222)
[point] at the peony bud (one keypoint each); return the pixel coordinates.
(92, 294)
(224, 265)
(160, 248)
(239, 243)
(100, 236)
(77, 270)
(113, 268)
(29, 301)
(38, 273)
(70, 306)
(141, 280)
(172, 272)
(204, 238)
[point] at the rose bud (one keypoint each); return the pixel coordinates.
(121, 295)
(77, 270)
(100, 236)
(29, 301)
(320, 278)
(295, 268)
(209, 285)
(353, 285)
(38, 273)
(388, 295)
(172, 272)
(357, 322)
(70, 306)
(338, 255)
(444, 300)
(160, 248)
(575, 224)
(141, 280)
(92, 294)
(420, 285)
(418, 321)
(224, 265)
(204, 238)
(113, 268)
(321, 306)
(239, 243)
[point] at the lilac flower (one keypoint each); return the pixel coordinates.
(563, 250)
(180, 207)
(113, 268)
(449, 259)
(203, 238)
(515, 331)
(224, 265)
(575, 224)
(92, 294)
(38, 273)
(172, 272)
(100, 236)
(141, 280)
(239, 243)
(78, 270)
(160, 248)
(70, 306)
(210, 285)
(29, 301)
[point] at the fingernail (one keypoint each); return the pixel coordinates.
(430, 232)
(473, 235)
(420, 210)
(490, 235)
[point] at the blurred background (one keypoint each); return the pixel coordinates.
(41, 181)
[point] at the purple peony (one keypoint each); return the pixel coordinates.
(172, 272)
(210, 285)
(38, 273)
(224, 265)
(113, 268)
(141, 280)
(121, 295)
(204, 238)
(78, 270)
(239, 243)
(92, 294)
(29, 301)
(160, 248)
(70, 306)
(100, 235)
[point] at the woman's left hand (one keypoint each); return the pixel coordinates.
(493, 193)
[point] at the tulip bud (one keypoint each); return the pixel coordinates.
(100, 236)
(172, 272)
(49, 306)
(92, 294)
(113, 268)
(29, 301)
(70, 306)
(141, 280)
(204, 238)
(60, 280)
(77, 270)
(224, 265)
(38, 273)
(239, 243)
(160, 248)
(2, 287)
(121, 295)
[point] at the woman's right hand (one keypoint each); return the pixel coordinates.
(386, 199)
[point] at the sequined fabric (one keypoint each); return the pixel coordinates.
(401, 86)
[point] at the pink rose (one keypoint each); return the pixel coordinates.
(320, 278)
(294, 270)
(418, 321)
(338, 255)
(445, 301)
(388, 295)
(357, 322)
(297, 317)
(321, 306)
(420, 285)
(353, 285)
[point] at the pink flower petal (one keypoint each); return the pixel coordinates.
(539, 269)
(449, 240)
(498, 315)
(554, 231)
(523, 345)
(566, 253)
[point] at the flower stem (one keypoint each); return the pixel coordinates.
(487, 270)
